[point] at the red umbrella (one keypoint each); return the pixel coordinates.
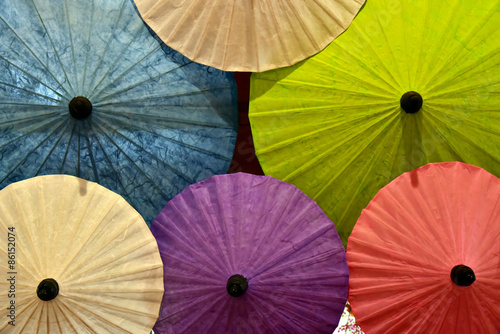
(422, 254)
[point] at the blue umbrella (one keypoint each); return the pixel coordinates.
(86, 89)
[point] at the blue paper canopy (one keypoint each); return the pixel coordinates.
(158, 121)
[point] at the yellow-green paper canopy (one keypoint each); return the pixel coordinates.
(333, 125)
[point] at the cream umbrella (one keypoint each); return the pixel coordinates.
(248, 36)
(75, 258)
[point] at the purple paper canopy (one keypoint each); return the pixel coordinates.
(259, 228)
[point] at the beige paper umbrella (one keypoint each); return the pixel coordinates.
(75, 258)
(248, 36)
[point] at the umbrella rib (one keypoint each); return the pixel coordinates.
(130, 199)
(305, 29)
(371, 166)
(369, 68)
(185, 177)
(255, 40)
(328, 151)
(203, 33)
(331, 14)
(270, 232)
(466, 70)
(124, 73)
(78, 222)
(29, 118)
(89, 147)
(185, 243)
(28, 91)
(206, 273)
(29, 316)
(346, 73)
(78, 150)
(105, 51)
(231, 247)
(58, 321)
(394, 57)
(16, 103)
(304, 242)
(217, 318)
(89, 310)
(491, 234)
(132, 162)
(137, 84)
(65, 316)
(359, 152)
(109, 239)
(91, 24)
(109, 306)
(199, 149)
(207, 256)
(276, 28)
(33, 77)
(291, 224)
(466, 139)
(90, 233)
(107, 112)
(53, 46)
(422, 60)
(228, 37)
(272, 278)
(71, 43)
(459, 48)
(207, 309)
(116, 257)
(35, 148)
(180, 20)
(51, 151)
(67, 148)
(34, 56)
(285, 319)
(260, 309)
(307, 135)
(147, 270)
(92, 94)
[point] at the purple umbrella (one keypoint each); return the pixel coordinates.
(249, 254)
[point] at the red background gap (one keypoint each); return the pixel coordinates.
(244, 159)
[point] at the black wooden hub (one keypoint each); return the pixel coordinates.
(80, 107)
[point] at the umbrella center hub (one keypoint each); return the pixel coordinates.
(462, 275)
(80, 107)
(48, 289)
(236, 285)
(411, 102)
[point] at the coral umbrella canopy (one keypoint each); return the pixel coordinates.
(76, 258)
(249, 254)
(87, 90)
(248, 36)
(409, 83)
(424, 254)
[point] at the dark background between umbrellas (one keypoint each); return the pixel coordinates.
(244, 158)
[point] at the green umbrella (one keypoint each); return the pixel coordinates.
(409, 83)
